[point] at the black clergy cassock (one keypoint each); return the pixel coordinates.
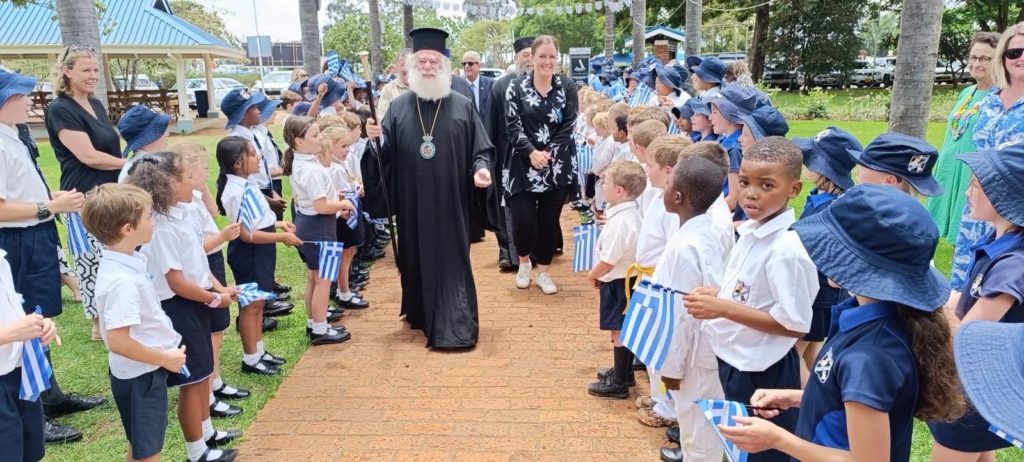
(433, 200)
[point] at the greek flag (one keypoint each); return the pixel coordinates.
(1006, 436)
(650, 322)
(251, 209)
(330, 259)
(585, 159)
(78, 239)
(353, 218)
(346, 72)
(721, 412)
(673, 129)
(250, 292)
(35, 369)
(333, 64)
(585, 239)
(641, 96)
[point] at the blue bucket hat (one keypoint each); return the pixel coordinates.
(990, 361)
(335, 91)
(710, 70)
(668, 76)
(302, 108)
(735, 102)
(267, 109)
(877, 242)
(237, 102)
(1001, 174)
(692, 62)
(766, 121)
(13, 83)
(683, 72)
(140, 126)
(298, 87)
(828, 154)
(909, 158)
(690, 107)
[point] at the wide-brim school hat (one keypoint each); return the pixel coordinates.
(267, 109)
(828, 154)
(692, 62)
(669, 77)
(878, 242)
(302, 108)
(710, 70)
(766, 121)
(237, 102)
(909, 158)
(13, 83)
(734, 102)
(141, 126)
(1001, 174)
(990, 361)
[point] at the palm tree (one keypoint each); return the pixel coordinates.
(309, 24)
(609, 32)
(694, 11)
(79, 25)
(639, 30)
(916, 54)
(375, 36)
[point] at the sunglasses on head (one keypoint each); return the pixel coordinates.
(1013, 53)
(76, 49)
(469, 63)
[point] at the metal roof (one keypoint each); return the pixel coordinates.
(654, 31)
(127, 28)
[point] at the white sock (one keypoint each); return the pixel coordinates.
(345, 296)
(195, 449)
(320, 328)
(221, 406)
(309, 322)
(208, 431)
(217, 383)
(259, 348)
(250, 359)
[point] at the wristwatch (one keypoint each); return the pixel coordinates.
(42, 211)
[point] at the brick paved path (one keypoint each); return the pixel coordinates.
(519, 396)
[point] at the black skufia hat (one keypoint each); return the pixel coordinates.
(428, 38)
(524, 42)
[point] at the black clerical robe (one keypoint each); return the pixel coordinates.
(433, 199)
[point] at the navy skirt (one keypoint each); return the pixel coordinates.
(351, 237)
(311, 229)
(220, 318)
(191, 320)
(969, 433)
(253, 262)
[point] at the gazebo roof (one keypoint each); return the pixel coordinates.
(659, 31)
(128, 28)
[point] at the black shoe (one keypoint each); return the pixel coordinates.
(333, 317)
(282, 297)
(277, 308)
(261, 368)
(606, 374)
(506, 266)
(231, 411)
(309, 330)
(359, 286)
(269, 324)
(672, 433)
(671, 455)
(281, 288)
(227, 455)
(331, 336)
(238, 394)
(608, 389)
(74, 403)
(226, 436)
(55, 433)
(273, 360)
(354, 303)
(334, 309)
(638, 365)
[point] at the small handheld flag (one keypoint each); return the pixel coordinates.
(330, 259)
(721, 412)
(584, 240)
(251, 209)
(1006, 436)
(353, 218)
(35, 369)
(184, 371)
(650, 323)
(78, 239)
(333, 64)
(250, 292)
(585, 159)
(641, 96)
(346, 72)
(673, 129)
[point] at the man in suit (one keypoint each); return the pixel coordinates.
(480, 85)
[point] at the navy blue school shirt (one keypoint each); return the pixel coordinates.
(866, 360)
(816, 202)
(827, 295)
(731, 144)
(996, 269)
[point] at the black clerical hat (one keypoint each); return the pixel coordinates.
(428, 38)
(524, 42)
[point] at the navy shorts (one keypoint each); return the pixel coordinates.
(21, 435)
(311, 228)
(191, 320)
(969, 433)
(253, 262)
(351, 237)
(740, 386)
(32, 254)
(821, 310)
(220, 318)
(142, 404)
(613, 303)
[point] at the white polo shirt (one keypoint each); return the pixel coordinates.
(125, 297)
(272, 155)
(721, 217)
(657, 226)
(768, 270)
(311, 181)
(203, 220)
(694, 257)
(261, 178)
(177, 244)
(19, 180)
(10, 311)
(617, 243)
(123, 176)
(231, 198)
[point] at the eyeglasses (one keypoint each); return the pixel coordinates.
(77, 49)
(979, 59)
(1013, 53)
(469, 63)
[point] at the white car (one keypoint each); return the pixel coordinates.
(142, 82)
(221, 88)
(273, 83)
(866, 74)
(492, 72)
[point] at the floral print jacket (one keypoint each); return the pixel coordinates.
(543, 123)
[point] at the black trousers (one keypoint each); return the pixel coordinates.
(535, 228)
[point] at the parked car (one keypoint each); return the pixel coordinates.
(780, 78)
(273, 83)
(732, 56)
(866, 74)
(221, 85)
(142, 82)
(887, 67)
(944, 72)
(831, 79)
(491, 72)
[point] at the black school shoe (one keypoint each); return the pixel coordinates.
(273, 360)
(354, 303)
(606, 374)
(608, 389)
(283, 297)
(238, 394)
(226, 436)
(333, 316)
(309, 330)
(261, 368)
(281, 288)
(55, 433)
(672, 433)
(671, 455)
(231, 411)
(227, 455)
(329, 337)
(74, 403)
(277, 308)
(269, 324)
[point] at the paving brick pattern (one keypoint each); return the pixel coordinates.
(519, 396)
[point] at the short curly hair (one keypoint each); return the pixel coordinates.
(777, 150)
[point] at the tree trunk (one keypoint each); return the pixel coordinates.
(756, 53)
(609, 32)
(639, 30)
(916, 56)
(694, 11)
(79, 25)
(407, 24)
(309, 24)
(375, 37)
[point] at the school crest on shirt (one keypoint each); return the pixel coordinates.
(741, 293)
(976, 286)
(824, 366)
(918, 163)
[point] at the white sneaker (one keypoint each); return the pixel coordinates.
(546, 284)
(523, 278)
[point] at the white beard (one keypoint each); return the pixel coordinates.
(432, 89)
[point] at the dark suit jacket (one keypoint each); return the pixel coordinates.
(461, 86)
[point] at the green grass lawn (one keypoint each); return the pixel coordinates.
(81, 364)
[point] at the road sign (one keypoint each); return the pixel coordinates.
(579, 63)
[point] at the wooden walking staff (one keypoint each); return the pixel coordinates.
(368, 75)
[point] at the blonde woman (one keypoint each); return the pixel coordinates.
(737, 73)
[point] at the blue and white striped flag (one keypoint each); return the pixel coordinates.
(584, 161)
(250, 292)
(346, 72)
(353, 218)
(333, 64)
(330, 259)
(35, 369)
(673, 129)
(251, 209)
(641, 96)
(585, 240)
(78, 239)
(650, 323)
(721, 412)
(1006, 436)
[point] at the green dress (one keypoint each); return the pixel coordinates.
(951, 173)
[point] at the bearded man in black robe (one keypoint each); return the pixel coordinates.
(436, 157)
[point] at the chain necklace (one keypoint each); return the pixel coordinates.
(427, 148)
